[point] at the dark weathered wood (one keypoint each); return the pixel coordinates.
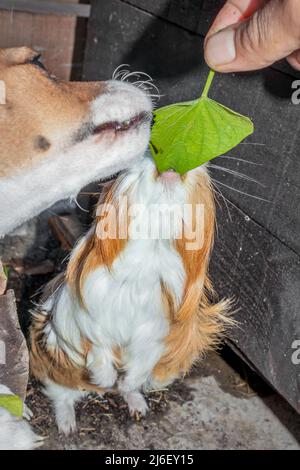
(3, 280)
(129, 34)
(255, 269)
(174, 58)
(195, 16)
(257, 253)
(46, 8)
(14, 365)
(67, 229)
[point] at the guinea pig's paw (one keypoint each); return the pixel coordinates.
(104, 377)
(137, 404)
(39, 442)
(27, 413)
(66, 420)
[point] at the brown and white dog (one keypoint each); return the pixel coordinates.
(133, 311)
(57, 136)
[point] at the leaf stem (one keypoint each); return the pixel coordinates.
(208, 83)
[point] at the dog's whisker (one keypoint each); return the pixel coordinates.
(146, 86)
(152, 85)
(66, 258)
(128, 75)
(142, 74)
(118, 70)
(140, 84)
(79, 206)
(137, 74)
(120, 75)
(123, 77)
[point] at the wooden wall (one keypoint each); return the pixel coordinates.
(59, 37)
(257, 253)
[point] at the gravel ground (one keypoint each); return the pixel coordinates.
(221, 405)
(214, 408)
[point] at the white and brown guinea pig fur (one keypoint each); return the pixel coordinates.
(130, 313)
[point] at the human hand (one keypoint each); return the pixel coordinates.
(253, 34)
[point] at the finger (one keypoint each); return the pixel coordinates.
(294, 59)
(270, 34)
(234, 11)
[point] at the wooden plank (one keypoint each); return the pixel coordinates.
(46, 8)
(262, 276)
(14, 366)
(266, 96)
(44, 33)
(257, 252)
(3, 280)
(67, 229)
(195, 16)
(119, 33)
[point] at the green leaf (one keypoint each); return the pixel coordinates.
(186, 135)
(6, 271)
(12, 403)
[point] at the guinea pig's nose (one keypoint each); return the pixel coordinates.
(170, 175)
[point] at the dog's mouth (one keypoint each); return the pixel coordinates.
(124, 126)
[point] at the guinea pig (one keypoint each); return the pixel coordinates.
(134, 309)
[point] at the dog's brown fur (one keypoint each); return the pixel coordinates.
(39, 112)
(57, 137)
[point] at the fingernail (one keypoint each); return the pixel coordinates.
(220, 48)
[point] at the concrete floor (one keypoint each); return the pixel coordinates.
(212, 409)
(214, 419)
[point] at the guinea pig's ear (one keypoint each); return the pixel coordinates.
(16, 56)
(2, 93)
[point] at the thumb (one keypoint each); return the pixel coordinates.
(294, 59)
(270, 34)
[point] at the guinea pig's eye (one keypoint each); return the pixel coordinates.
(37, 61)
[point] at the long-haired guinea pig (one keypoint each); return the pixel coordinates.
(133, 310)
